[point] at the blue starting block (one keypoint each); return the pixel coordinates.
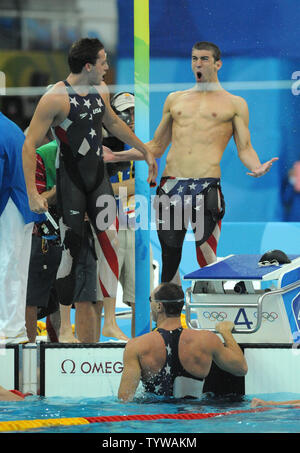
(261, 301)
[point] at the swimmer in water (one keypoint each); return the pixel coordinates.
(172, 361)
(256, 402)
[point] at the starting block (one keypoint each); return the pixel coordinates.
(263, 302)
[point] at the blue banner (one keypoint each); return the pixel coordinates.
(258, 28)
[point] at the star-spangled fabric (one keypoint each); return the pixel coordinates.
(81, 180)
(185, 187)
(183, 197)
(82, 129)
(182, 203)
(163, 382)
(79, 138)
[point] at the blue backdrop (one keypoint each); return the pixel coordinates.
(259, 42)
(257, 29)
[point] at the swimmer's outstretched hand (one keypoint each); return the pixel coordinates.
(109, 156)
(37, 203)
(258, 402)
(263, 169)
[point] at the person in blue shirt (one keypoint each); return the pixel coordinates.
(16, 223)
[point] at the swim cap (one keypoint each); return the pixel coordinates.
(122, 101)
(273, 258)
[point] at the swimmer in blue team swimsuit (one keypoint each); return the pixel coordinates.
(172, 361)
(75, 110)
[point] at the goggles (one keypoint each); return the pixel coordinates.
(268, 263)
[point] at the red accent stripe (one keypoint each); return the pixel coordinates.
(40, 174)
(200, 257)
(146, 417)
(190, 416)
(61, 134)
(103, 289)
(212, 242)
(109, 252)
(18, 393)
(164, 179)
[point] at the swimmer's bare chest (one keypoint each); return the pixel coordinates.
(201, 129)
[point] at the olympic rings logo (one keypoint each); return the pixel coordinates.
(215, 316)
(271, 317)
(221, 316)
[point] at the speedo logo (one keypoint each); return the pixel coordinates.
(74, 212)
(82, 115)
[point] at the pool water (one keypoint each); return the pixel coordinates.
(277, 420)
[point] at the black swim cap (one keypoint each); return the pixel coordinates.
(273, 258)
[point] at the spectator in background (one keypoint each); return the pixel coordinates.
(291, 194)
(123, 184)
(46, 251)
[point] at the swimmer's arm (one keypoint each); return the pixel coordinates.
(131, 373)
(6, 395)
(120, 130)
(161, 139)
(163, 134)
(259, 402)
(121, 156)
(228, 356)
(48, 108)
(117, 127)
(284, 403)
(50, 195)
(241, 134)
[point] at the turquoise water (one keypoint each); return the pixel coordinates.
(277, 420)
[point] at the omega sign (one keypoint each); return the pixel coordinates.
(68, 366)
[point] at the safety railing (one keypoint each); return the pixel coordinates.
(189, 305)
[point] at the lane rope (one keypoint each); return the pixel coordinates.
(21, 425)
